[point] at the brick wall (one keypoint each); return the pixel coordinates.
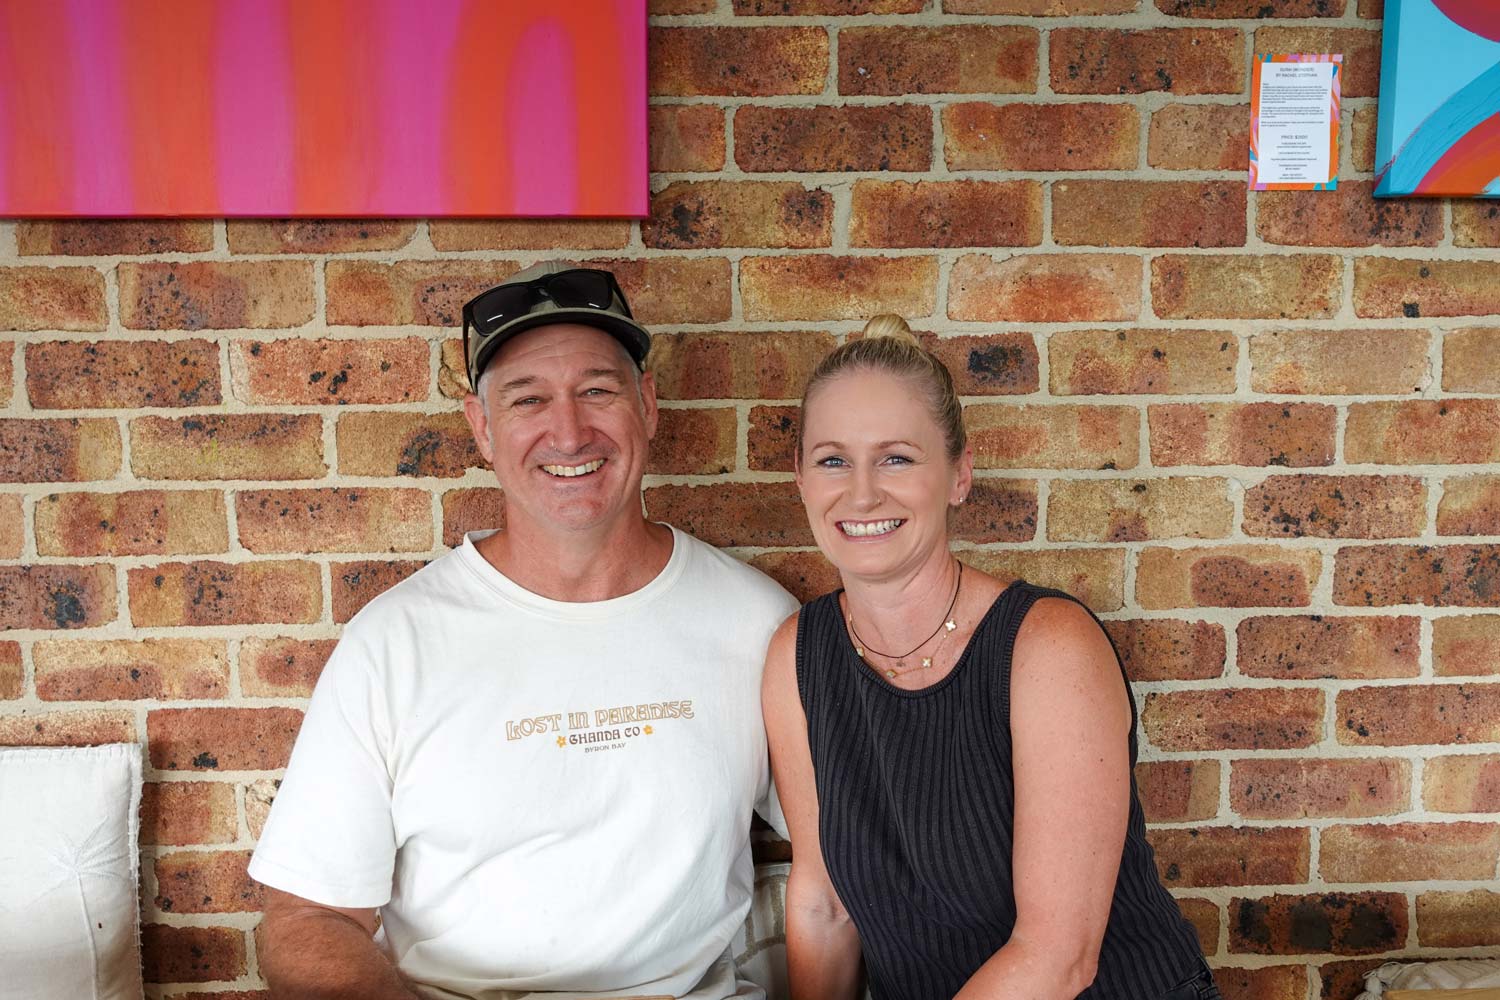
(1256, 434)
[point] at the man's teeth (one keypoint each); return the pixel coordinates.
(568, 471)
(864, 529)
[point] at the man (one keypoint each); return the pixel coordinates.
(537, 758)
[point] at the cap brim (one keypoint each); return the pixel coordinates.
(633, 336)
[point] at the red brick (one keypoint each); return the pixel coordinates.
(1409, 852)
(122, 669)
(1386, 286)
(842, 137)
(1019, 436)
(407, 292)
(985, 136)
(222, 739)
(700, 214)
(206, 882)
(1228, 576)
(1314, 647)
(52, 298)
(997, 364)
(1045, 288)
(1342, 923)
(1416, 714)
(57, 597)
(699, 442)
(334, 520)
(1372, 8)
(733, 513)
(466, 510)
(1094, 576)
(356, 584)
(738, 62)
(673, 289)
(1470, 506)
(323, 372)
(1362, 137)
(1178, 791)
(952, 59)
(282, 668)
(773, 365)
(1458, 919)
(827, 8)
(685, 137)
(109, 237)
(1269, 982)
(773, 438)
(1475, 224)
(89, 727)
(228, 446)
(12, 526)
(997, 510)
(1305, 286)
(1469, 360)
(216, 295)
(1247, 719)
(1360, 76)
(72, 375)
(58, 451)
(1466, 645)
(529, 234)
(318, 235)
(1336, 507)
(1162, 649)
(217, 593)
(1199, 137)
(137, 523)
(192, 954)
(188, 812)
(1338, 362)
(12, 672)
(259, 794)
(1221, 855)
(805, 574)
(453, 369)
(7, 372)
(1286, 788)
(1351, 216)
(1149, 213)
(1449, 431)
(1251, 8)
(407, 444)
(825, 287)
(1139, 361)
(1126, 510)
(1040, 8)
(1132, 61)
(946, 214)
(1438, 575)
(1467, 784)
(1297, 435)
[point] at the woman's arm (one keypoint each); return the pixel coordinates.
(822, 947)
(1070, 722)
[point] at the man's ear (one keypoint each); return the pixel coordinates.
(649, 408)
(479, 425)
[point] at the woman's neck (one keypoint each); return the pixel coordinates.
(895, 613)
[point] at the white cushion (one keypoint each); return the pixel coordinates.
(760, 946)
(1458, 973)
(69, 867)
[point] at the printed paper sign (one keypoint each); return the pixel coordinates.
(1294, 122)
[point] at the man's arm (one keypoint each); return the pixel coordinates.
(313, 952)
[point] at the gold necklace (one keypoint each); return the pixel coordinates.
(946, 626)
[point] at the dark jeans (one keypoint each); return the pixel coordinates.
(1200, 987)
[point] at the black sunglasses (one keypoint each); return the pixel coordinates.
(580, 288)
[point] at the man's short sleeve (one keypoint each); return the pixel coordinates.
(330, 835)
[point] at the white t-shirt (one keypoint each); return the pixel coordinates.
(539, 795)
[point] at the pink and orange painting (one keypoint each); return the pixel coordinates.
(322, 108)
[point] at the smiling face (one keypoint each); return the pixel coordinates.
(566, 427)
(875, 475)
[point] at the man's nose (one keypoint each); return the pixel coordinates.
(569, 430)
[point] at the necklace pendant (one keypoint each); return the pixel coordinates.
(859, 651)
(926, 662)
(950, 625)
(891, 674)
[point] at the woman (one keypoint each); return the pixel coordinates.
(953, 751)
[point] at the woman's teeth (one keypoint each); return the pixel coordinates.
(568, 471)
(865, 529)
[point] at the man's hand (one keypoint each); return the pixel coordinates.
(315, 952)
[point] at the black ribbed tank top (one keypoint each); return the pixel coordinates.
(916, 812)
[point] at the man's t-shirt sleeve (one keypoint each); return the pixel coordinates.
(329, 837)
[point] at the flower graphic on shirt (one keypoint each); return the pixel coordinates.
(562, 741)
(647, 730)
